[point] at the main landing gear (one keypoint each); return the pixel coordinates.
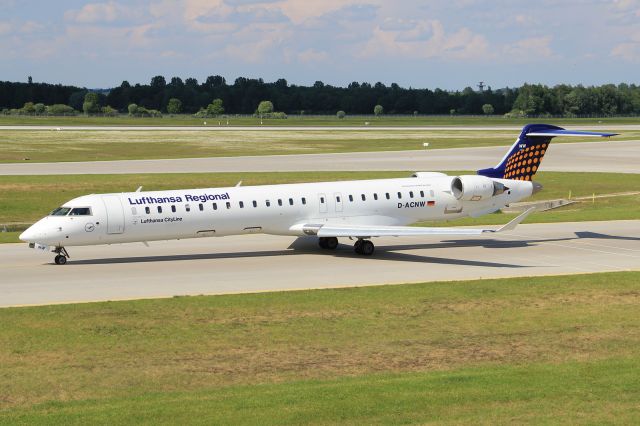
(364, 247)
(62, 256)
(328, 243)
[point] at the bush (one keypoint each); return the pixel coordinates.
(341, 114)
(108, 111)
(60, 109)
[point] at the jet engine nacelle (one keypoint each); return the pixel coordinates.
(475, 188)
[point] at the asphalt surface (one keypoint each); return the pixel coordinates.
(253, 263)
(608, 156)
(212, 127)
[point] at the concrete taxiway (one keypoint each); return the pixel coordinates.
(610, 156)
(254, 263)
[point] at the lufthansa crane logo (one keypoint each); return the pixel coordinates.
(89, 227)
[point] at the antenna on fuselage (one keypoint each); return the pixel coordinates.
(238, 184)
(139, 189)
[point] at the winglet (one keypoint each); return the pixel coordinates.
(516, 221)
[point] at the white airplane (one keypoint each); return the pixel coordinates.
(358, 210)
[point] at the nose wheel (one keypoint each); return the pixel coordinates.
(61, 257)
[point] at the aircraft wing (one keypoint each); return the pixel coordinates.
(367, 231)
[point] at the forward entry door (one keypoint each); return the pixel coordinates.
(115, 214)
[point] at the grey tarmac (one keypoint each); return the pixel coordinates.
(212, 128)
(255, 263)
(609, 156)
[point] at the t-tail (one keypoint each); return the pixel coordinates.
(523, 159)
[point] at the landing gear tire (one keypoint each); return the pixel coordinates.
(328, 243)
(62, 256)
(364, 247)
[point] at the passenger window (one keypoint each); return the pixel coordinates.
(159, 209)
(215, 206)
(375, 196)
(241, 204)
(432, 193)
(351, 198)
(304, 200)
(387, 195)
(421, 193)
(173, 209)
(228, 205)
(399, 195)
(268, 203)
(134, 211)
(147, 210)
(410, 194)
(290, 201)
(363, 197)
(279, 202)
(255, 203)
(337, 199)
(187, 207)
(322, 200)
(201, 207)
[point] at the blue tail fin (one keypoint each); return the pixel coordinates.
(523, 158)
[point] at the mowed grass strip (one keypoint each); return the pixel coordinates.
(557, 348)
(24, 199)
(97, 145)
(600, 392)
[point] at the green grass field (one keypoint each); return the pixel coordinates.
(294, 120)
(527, 350)
(104, 145)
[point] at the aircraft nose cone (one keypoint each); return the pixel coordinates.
(28, 235)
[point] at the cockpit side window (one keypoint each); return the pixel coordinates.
(80, 211)
(60, 211)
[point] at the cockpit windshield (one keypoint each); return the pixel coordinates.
(60, 211)
(80, 211)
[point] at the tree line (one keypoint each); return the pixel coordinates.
(215, 96)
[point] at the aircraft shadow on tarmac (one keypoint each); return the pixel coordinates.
(384, 252)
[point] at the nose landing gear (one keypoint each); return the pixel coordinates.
(62, 256)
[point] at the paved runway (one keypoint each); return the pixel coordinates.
(609, 156)
(261, 263)
(212, 127)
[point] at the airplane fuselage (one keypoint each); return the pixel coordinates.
(270, 209)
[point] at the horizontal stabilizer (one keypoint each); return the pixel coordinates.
(564, 132)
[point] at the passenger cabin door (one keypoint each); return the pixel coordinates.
(322, 203)
(338, 198)
(115, 214)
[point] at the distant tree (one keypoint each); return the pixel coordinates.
(125, 84)
(133, 109)
(378, 110)
(176, 82)
(158, 82)
(174, 106)
(487, 109)
(191, 82)
(91, 104)
(265, 107)
(341, 114)
(76, 99)
(39, 108)
(28, 108)
(109, 111)
(452, 111)
(30, 80)
(215, 108)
